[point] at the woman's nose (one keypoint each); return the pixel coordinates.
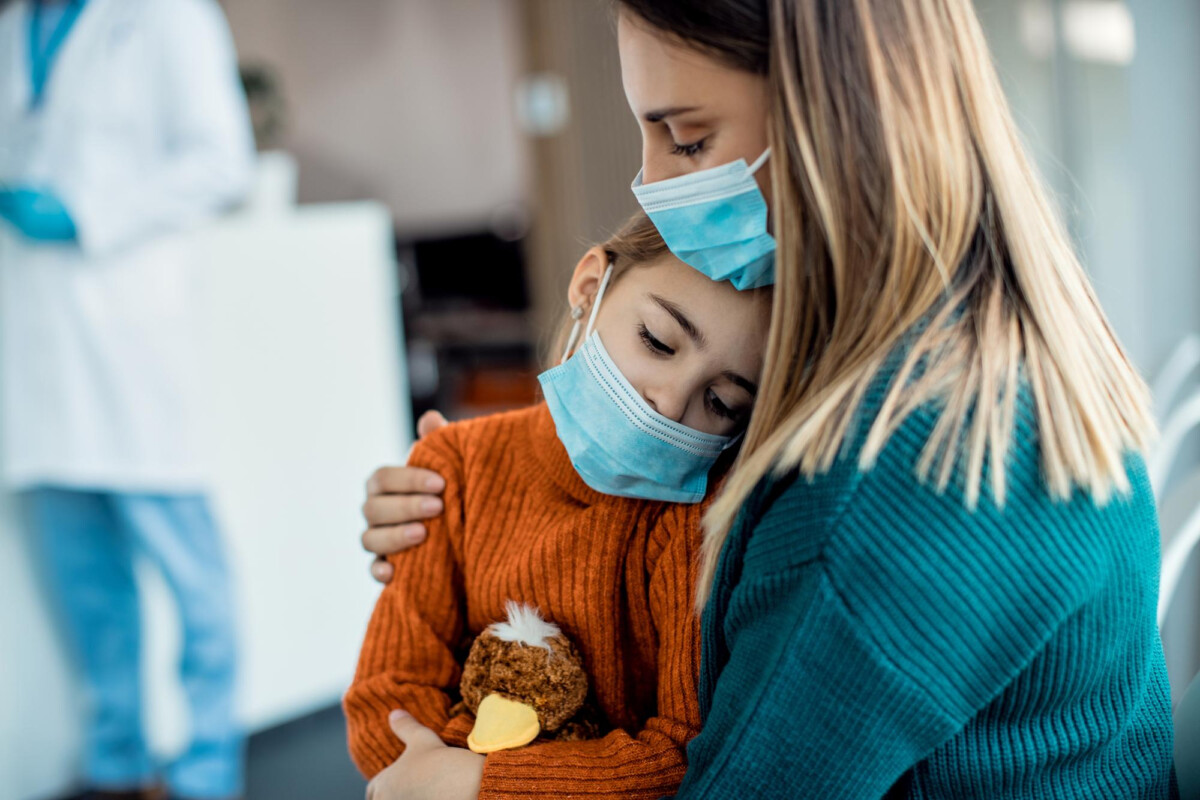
(657, 166)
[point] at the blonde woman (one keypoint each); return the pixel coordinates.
(933, 570)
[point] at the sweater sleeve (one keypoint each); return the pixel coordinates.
(647, 763)
(807, 706)
(408, 658)
(846, 669)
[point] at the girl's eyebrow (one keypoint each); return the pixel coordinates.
(675, 311)
(696, 336)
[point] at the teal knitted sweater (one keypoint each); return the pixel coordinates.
(869, 637)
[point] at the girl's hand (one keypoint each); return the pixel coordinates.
(429, 769)
(398, 498)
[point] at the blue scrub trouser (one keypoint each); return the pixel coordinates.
(88, 541)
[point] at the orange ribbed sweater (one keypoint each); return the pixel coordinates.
(616, 574)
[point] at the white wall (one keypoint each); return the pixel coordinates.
(1121, 147)
(308, 396)
(1165, 106)
(1165, 138)
(405, 101)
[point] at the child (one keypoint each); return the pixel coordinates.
(587, 507)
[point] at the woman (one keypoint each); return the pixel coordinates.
(933, 570)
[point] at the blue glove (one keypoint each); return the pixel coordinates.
(38, 215)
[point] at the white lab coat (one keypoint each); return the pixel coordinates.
(144, 134)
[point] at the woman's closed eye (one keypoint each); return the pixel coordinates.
(690, 150)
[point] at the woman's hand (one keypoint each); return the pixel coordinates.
(398, 498)
(428, 769)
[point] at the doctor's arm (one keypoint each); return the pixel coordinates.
(207, 162)
(846, 670)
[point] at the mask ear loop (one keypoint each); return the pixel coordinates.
(577, 314)
(599, 296)
(758, 162)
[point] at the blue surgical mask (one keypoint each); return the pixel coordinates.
(716, 221)
(617, 443)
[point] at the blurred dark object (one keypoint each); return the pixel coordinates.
(471, 270)
(155, 793)
(471, 347)
(305, 759)
(268, 108)
(499, 388)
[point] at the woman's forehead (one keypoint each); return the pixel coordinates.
(657, 70)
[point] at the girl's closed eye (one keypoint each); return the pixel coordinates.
(653, 343)
(718, 407)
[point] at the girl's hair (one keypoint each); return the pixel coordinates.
(636, 243)
(902, 193)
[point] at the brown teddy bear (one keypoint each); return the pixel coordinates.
(522, 679)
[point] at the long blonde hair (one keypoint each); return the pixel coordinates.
(901, 193)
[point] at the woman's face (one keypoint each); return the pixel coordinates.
(695, 112)
(691, 346)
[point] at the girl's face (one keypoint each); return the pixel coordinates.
(694, 111)
(692, 347)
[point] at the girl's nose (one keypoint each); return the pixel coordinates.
(671, 404)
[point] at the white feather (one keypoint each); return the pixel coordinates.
(525, 625)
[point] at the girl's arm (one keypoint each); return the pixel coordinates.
(408, 658)
(651, 762)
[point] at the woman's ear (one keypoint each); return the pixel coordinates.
(589, 272)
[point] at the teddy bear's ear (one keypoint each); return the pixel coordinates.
(525, 625)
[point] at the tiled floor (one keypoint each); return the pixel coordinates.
(303, 760)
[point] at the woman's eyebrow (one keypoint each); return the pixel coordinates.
(675, 311)
(664, 113)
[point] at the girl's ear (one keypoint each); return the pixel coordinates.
(586, 280)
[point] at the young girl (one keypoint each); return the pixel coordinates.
(587, 507)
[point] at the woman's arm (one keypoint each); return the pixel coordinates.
(649, 763)
(843, 665)
(398, 500)
(408, 660)
(806, 705)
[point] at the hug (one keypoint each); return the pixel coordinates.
(837, 483)
(799, 447)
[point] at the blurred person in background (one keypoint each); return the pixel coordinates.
(122, 124)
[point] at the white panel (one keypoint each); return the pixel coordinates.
(308, 397)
